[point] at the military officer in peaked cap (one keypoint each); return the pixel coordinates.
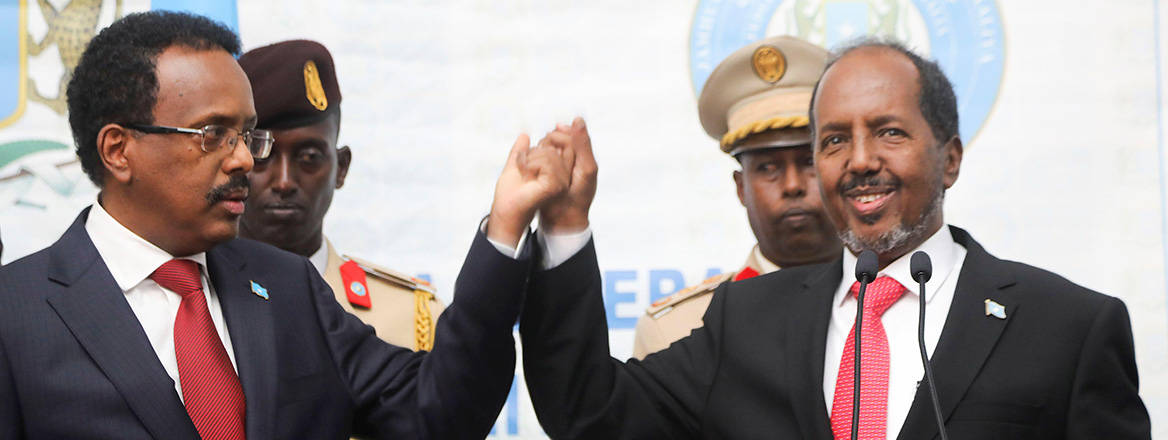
(755, 105)
(297, 98)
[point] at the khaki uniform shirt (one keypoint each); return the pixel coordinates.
(675, 316)
(404, 309)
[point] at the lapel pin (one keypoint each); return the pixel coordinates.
(992, 308)
(262, 292)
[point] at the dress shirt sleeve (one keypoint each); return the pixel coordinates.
(509, 251)
(558, 248)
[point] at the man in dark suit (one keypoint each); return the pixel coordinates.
(1017, 352)
(149, 320)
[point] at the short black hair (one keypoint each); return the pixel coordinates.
(115, 81)
(935, 99)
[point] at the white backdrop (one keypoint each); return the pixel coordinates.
(1061, 113)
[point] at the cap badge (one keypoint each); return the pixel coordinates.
(769, 64)
(312, 87)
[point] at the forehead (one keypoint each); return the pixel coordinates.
(777, 154)
(195, 84)
(324, 131)
(868, 81)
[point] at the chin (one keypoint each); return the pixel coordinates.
(222, 232)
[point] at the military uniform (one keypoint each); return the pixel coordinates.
(295, 85)
(673, 317)
(401, 308)
(762, 87)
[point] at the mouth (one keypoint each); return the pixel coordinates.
(796, 217)
(867, 201)
(281, 211)
(234, 201)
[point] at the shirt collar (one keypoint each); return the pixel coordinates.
(765, 265)
(942, 253)
(129, 257)
(319, 259)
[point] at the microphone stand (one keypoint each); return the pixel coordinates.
(867, 264)
(922, 270)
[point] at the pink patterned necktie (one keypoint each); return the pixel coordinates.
(881, 294)
(210, 387)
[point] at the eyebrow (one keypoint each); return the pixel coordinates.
(881, 120)
(835, 126)
(222, 119)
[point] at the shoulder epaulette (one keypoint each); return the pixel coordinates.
(689, 292)
(391, 276)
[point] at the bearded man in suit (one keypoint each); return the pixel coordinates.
(1017, 352)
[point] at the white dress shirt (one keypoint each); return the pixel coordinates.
(319, 259)
(764, 263)
(900, 322)
(131, 259)
(557, 248)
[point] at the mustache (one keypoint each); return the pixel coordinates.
(868, 180)
(219, 193)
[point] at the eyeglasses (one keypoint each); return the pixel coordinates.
(258, 142)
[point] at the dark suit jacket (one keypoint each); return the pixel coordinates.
(76, 364)
(1061, 365)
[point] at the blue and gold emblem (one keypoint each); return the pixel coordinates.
(259, 290)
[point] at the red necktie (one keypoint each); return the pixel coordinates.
(210, 387)
(881, 294)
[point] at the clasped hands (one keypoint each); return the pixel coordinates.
(555, 180)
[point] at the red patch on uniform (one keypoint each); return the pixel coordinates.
(746, 273)
(353, 277)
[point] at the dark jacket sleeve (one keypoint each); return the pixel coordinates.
(1105, 401)
(580, 392)
(10, 421)
(454, 391)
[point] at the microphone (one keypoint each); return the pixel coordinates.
(866, 266)
(921, 268)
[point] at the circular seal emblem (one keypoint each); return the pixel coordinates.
(964, 36)
(356, 287)
(769, 64)
(313, 89)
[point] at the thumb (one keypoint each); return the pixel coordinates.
(522, 144)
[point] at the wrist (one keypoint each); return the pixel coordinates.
(506, 229)
(564, 223)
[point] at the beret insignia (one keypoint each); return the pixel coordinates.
(313, 88)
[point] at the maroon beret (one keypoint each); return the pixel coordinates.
(294, 83)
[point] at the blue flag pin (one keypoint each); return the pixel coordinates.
(994, 309)
(259, 290)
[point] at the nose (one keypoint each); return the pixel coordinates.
(793, 181)
(240, 160)
(283, 182)
(862, 159)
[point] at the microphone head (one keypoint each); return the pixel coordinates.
(920, 266)
(866, 266)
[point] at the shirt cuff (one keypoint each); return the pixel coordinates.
(558, 248)
(512, 252)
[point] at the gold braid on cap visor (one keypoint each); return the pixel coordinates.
(774, 123)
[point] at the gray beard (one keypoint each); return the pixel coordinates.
(897, 236)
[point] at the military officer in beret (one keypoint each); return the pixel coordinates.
(755, 105)
(297, 98)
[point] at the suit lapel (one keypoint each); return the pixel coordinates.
(806, 336)
(249, 322)
(94, 308)
(968, 338)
